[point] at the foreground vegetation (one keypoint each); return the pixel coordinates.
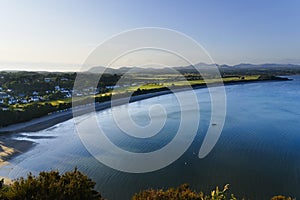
(76, 186)
(184, 192)
(51, 185)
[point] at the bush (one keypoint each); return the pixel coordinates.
(183, 192)
(51, 185)
(76, 186)
(280, 197)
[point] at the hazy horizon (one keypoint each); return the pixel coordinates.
(60, 35)
(73, 68)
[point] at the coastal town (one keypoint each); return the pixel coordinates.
(18, 89)
(26, 95)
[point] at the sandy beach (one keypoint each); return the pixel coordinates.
(9, 148)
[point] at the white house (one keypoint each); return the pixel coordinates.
(112, 86)
(57, 88)
(24, 101)
(12, 101)
(3, 95)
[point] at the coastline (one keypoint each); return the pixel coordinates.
(10, 147)
(48, 121)
(59, 117)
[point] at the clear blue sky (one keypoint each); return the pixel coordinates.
(60, 34)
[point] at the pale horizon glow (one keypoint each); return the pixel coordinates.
(59, 35)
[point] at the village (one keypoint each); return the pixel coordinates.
(18, 91)
(11, 98)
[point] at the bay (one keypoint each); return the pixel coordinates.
(258, 152)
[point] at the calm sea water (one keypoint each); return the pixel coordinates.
(258, 153)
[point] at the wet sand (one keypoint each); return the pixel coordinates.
(10, 148)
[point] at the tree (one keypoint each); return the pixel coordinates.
(51, 185)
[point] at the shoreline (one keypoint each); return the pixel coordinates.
(10, 147)
(48, 121)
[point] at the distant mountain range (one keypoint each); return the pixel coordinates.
(243, 67)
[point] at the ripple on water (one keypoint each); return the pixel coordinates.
(258, 152)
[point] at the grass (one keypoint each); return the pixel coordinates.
(166, 80)
(168, 83)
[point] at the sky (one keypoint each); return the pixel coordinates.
(59, 35)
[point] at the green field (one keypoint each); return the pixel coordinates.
(161, 81)
(169, 83)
